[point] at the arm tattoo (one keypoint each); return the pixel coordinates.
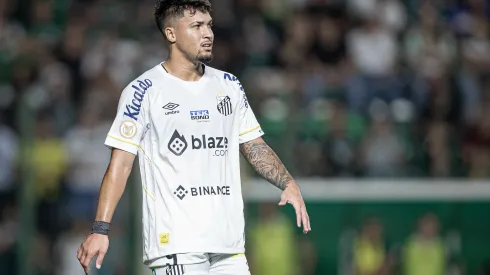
(266, 163)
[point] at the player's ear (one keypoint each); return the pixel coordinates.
(170, 34)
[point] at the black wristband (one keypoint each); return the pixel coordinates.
(100, 228)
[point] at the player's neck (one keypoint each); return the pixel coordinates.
(184, 69)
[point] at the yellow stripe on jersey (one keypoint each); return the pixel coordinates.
(246, 132)
(134, 144)
(148, 193)
(125, 141)
(131, 143)
(238, 255)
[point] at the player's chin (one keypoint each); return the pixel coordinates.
(205, 58)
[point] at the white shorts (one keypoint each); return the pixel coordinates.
(204, 264)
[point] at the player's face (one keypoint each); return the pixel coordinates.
(195, 36)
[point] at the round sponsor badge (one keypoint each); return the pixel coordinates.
(128, 129)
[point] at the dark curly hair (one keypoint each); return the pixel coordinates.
(165, 9)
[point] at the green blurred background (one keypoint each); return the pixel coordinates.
(379, 108)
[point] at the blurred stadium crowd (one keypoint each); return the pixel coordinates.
(357, 88)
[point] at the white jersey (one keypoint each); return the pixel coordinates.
(187, 136)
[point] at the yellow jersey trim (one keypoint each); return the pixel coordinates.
(251, 130)
(139, 147)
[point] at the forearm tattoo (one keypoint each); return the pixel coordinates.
(266, 163)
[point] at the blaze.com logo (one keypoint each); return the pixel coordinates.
(218, 145)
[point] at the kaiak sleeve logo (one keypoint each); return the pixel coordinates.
(234, 79)
(133, 109)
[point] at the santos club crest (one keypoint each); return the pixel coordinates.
(224, 105)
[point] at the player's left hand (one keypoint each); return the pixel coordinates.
(292, 195)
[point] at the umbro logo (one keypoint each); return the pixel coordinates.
(171, 107)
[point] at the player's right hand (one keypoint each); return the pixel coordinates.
(94, 244)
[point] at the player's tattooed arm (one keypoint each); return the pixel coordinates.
(265, 161)
(270, 167)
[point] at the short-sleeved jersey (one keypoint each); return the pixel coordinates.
(187, 137)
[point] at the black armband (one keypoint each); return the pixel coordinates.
(100, 228)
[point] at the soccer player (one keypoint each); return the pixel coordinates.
(188, 123)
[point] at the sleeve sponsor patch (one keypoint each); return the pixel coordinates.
(133, 109)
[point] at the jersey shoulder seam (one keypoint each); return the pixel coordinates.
(148, 74)
(226, 77)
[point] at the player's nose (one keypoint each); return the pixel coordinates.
(208, 34)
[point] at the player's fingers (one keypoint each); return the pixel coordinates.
(82, 258)
(86, 261)
(283, 201)
(305, 220)
(86, 269)
(100, 259)
(82, 263)
(308, 220)
(82, 251)
(298, 214)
